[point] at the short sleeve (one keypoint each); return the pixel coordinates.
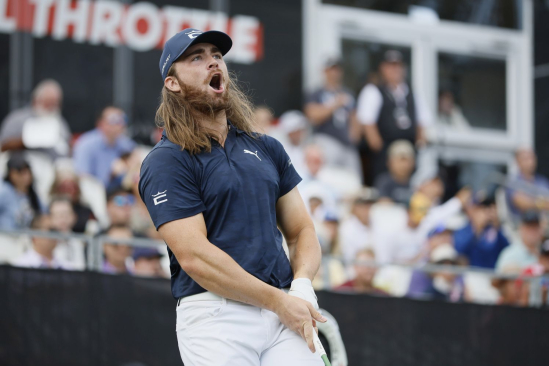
(313, 97)
(369, 104)
(289, 178)
(168, 186)
(423, 114)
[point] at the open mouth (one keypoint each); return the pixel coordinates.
(215, 83)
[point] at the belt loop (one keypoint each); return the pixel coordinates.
(179, 301)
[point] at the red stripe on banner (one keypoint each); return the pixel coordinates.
(51, 18)
(259, 46)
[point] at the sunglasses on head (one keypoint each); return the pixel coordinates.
(117, 119)
(123, 200)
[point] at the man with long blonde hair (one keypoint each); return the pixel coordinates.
(217, 192)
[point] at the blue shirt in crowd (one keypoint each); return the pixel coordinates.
(539, 186)
(482, 251)
(15, 209)
(94, 156)
(236, 189)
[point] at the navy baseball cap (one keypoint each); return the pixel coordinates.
(176, 45)
(146, 253)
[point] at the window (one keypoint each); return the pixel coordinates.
(361, 61)
(472, 92)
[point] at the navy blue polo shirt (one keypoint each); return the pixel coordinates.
(236, 189)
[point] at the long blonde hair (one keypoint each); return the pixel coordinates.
(180, 113)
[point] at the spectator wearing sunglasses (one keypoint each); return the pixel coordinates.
(19, 202)
(119, 207)
(96, 150)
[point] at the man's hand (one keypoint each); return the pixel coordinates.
(303, 288)
(464, 196)
(299, 315)
(373, 137)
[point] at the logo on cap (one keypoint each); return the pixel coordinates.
(165, 62)
(193, 34)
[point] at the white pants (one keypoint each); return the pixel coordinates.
(223, 332)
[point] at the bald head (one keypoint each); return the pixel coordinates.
(526, 161)
(47, 97)
(314, 159)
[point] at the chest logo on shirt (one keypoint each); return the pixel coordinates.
(253, 153)
(158, 196)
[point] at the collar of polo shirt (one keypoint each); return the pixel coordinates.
(238, 130)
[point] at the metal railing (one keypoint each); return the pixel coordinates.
(94, 258)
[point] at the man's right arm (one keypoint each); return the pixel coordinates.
(216, 271)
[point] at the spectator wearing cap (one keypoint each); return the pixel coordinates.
(540, 268)
(481, 241)
(394, 185)
(331, 112)
(96, 150)
(45, 108)
(147, 263)
(365, 271)
(116, 254)
(292, 126)
(440, 285)
(390, 111)
(355, 232)
(527, 190)
(525, 251)
(42, 252)
(19, 202)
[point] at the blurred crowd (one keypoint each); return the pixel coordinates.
(387, 221)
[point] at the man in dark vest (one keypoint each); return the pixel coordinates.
(390, 111)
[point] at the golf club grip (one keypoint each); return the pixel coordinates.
(320, 349)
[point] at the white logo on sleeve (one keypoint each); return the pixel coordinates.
(158, 196)
(193, 34)
(253, 153)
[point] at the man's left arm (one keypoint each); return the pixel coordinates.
(299, 231)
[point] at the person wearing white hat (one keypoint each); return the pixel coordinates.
(440, 285)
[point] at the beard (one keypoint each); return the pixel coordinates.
(201, 101)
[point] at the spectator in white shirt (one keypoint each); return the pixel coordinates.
(45, 108)
(390, 111)
(41, 254)
(408, 245)
(355, 233)
(292, 126)
(318, 196)
(63, 218)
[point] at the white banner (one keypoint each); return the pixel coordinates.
(142, 26)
